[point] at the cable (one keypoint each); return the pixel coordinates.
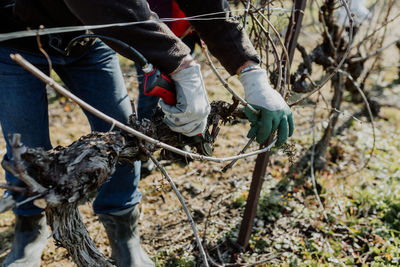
(137, 56)
(64, 29)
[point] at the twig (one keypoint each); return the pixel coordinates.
(278, 60)
(28, 200)
(40, 46)
(13, 188)
(224, 83)
(271, 256)
(379, 41)
(187, 174)
(314, 183)
(268, 26)
(181, 200)
(328, 35)
(220, 256)
(211, 260)
(46, 79)
(246, 11)
(378, 29)
(285, 52)
(337, 68)
(227, 167)
(369, 113)
(17, 168)
(344, 114)
(380, 50)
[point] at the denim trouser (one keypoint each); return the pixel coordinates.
(95, 77)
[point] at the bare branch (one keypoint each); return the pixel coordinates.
(349, 46)
(369, 113)
(380, 50)
(224, 83)
(17, 168)
(314, 183)
(182, 201)
(35, 71)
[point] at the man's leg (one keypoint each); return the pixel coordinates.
(96, 78)
(23, 110)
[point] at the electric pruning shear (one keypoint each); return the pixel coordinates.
(156, 83)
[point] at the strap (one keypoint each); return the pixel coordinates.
(249, 68)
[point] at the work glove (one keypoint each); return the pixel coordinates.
(274, 113)
(189, 115)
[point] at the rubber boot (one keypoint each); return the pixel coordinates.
(30, 238)
(123, 234)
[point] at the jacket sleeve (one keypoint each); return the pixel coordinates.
(153, 39)
(225, 38)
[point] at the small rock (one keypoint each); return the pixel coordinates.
(193, 189)
(198, 214)
(260, 223)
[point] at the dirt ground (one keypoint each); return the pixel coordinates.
(216, 199)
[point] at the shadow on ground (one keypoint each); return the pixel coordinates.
(6, 237)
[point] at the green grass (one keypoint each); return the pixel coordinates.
(363, 210)
(175, 258)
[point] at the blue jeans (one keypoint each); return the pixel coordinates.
(93, 76)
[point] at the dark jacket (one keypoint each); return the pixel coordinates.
(154, 40)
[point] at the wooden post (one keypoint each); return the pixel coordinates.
(263, 159)
(294, 27)
(252, 200)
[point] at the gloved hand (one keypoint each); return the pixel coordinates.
(274, 112)
(189, 115)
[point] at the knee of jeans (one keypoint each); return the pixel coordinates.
(120, 191)
(11, 179)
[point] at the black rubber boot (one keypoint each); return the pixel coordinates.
(30, 238)
(124, 239)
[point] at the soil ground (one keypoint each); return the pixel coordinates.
(290, 229)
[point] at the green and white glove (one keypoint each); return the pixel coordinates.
(274, 113)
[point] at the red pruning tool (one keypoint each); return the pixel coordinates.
(158, 84)
(155, 83)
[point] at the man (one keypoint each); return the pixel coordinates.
(92, 73)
